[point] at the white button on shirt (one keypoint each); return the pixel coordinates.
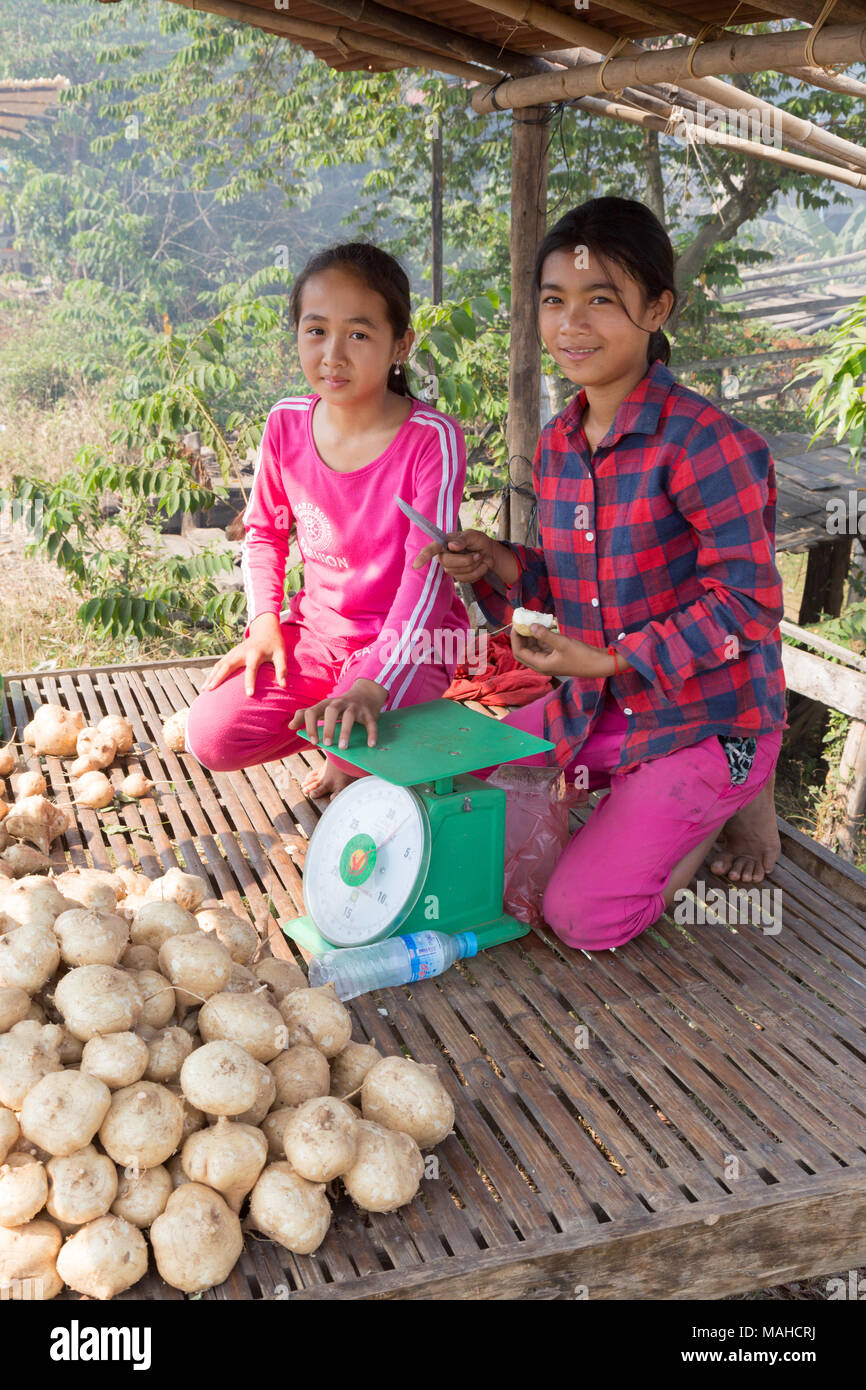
(590, 535)
(595, 603)
(626, 710)
(621, 635)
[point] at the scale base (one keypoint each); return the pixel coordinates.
(304, 931)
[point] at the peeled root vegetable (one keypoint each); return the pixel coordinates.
(281, 976)
(28, 1261)
(117, 1059)
(228, 1157)
(166, 1054)
(289, 1209)
(34, 901)
(23, 1189)
(29, 1051)
(403, 1095)
(349, 1068)
(387, 1171)
(97, 999)
(94, 888)
(177, 887)
(29, 957)
(93, 790)
(102, 1259)
(197, 1240)
(274, 1128)
(64, 1110)
(119, 728)
(54, 730)
(156, 922)
(81, 1186)
(87, 937)
(98, 747)
(23, 860)
(301, 1073)
(320, 1139)
(141, 1199)
(136, 785)
(221, 1078)
(317, 1018)
(143, 1125)
(158, 999)
(197, 967)
(28, 783)
(239, 936)
(246, 1019)
(174, 731)
(37, 820)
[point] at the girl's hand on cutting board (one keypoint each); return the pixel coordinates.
(361, 704)
(551, 654)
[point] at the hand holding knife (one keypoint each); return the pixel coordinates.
(442, 538)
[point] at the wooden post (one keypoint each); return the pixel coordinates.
(826, 572)
(529, 140)
(436, 215)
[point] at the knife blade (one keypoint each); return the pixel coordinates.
(437, 534)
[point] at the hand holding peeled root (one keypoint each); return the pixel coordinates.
(551, 654)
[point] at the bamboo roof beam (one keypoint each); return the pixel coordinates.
(674, 21)
(684, 121)
(750, 53)
(344, 40)
(844, 11)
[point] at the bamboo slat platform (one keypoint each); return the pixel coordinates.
(683, 1118)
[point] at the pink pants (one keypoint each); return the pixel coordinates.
(227, 730)
(608, 885)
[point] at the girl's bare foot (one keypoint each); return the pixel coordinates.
(749, 844)
(325, 780)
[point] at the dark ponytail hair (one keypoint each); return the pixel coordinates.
(629, 234)
(380, 272)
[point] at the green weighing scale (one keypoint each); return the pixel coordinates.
(420, 844)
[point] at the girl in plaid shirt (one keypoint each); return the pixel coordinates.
(656, 519)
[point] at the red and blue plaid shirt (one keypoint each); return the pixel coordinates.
(660, 544)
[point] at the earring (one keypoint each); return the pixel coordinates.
(396, 368)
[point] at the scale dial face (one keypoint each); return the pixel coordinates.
(367, 862)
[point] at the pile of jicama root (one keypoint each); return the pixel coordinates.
(165, 1079)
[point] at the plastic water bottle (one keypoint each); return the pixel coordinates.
(400, 960)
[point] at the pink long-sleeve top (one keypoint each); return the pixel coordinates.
(360, 590)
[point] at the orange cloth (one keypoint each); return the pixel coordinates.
(500, 681)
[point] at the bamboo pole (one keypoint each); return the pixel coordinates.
(844, 11)
(685, 121)
(343, 39)
(675, 22)
(671, 65)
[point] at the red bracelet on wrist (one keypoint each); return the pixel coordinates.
(613, 652)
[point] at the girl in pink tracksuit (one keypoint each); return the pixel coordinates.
(368, 631)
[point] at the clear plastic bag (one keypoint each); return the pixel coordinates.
(538, 801)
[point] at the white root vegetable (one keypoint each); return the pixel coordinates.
(23, 859)
(29, 956)
(221, 1078)
(157, 996)
(197, 967)
(301, 1073)
(93, 790)
(281, 976)
(9, 1132)
(71, 1049)
(54, 730)
(29, 783)
(23, 1189)
(102, 1259)
(174, 731)
(177, 887)
(38, 820)
(143, 1125)
(139, 958)
(28, 1052)
(97, 999)
(273, 1127)
(242, 981)
(289, 1209)
(34, 901)
(265, 1097)
(166, 1054)
(228, 1157)
(94, 888)
(317, 1018)
(321, 1140)
(246, 1019)
(5, 808)
(174, 1168)
(63, 1111)
(117, 1060)
(14, 1004)
(88, 762)
(142, 1195)
(120, 729)
(197, 1240)
(81, 1186)
(87, 937)
(156, 922)
(96, 745)
(238, 935)
(136, 785)
(28, 1261)
(403, 1095)
(349, 1068)
(8, 758)
(387, 1171)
